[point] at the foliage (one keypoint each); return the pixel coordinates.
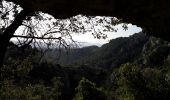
(10, 91)
(16, 69)
(129, 82)
(87, 90)
(16, 84)
(134, 83)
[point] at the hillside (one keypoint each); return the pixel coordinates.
(127, 68)
(138, 48)
(118, 51)
(112, 54)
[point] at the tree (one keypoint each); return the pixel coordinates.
(36, 27)
(130, 83)
(87, 90)
(135, 83)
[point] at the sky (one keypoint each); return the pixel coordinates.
(88, 39)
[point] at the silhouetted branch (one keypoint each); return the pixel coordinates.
(34, 37)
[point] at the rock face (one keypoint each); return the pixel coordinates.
(152, 15)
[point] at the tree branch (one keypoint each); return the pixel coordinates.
(34, 37)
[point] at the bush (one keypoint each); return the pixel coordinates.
(87, 90)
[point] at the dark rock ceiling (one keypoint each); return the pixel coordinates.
(152, 15)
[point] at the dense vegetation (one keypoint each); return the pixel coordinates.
(129, 68)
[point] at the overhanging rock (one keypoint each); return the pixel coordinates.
(152, 15)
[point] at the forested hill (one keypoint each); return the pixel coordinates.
(66, 57)
(154, 53)
(137, 48)
(124, 68)
(118, 51)
(112, 54)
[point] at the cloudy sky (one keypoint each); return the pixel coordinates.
(88, 39)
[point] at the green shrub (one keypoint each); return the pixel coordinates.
(87, 90)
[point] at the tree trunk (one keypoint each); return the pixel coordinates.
(2, 51)
(9, 32)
